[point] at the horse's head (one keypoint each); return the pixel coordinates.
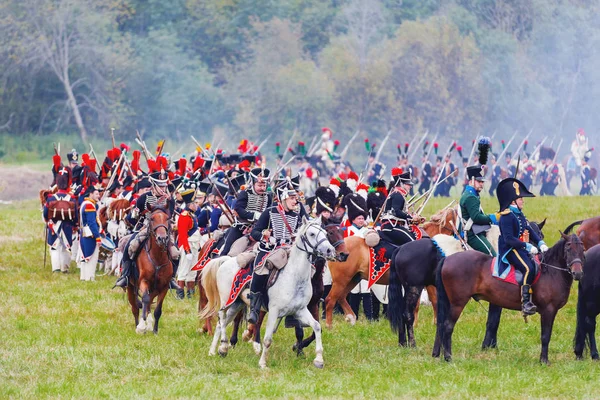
(537, 227)
(574, 254)
(313, 240)
(441, 222)
(159, 227)
(335, 235)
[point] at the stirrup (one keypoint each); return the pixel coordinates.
(528, 309)
(125, 280)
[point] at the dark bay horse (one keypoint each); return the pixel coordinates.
(413, 268)
(467, 275)
(154, 273)
(588, 305)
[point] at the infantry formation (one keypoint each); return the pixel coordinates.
(254, 212)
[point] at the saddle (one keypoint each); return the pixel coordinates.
(508, 273)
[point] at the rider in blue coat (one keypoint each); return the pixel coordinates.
(514, 245)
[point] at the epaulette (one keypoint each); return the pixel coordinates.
(505, 212)
(89, 207)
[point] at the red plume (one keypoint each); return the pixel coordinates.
(135, 163)
(396, 171)
(334, 182)
(56, 162)
(152, 166)
(244, 164)
(124, 147)
(86, 158)
(161, 163)
(353, 175)
(198, 163)
(182, 166)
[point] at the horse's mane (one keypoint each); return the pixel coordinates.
(570, 227)
(440, 217)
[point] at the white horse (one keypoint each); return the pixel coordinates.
(289, 295)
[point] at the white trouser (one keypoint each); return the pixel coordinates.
(88, 268)
(117, 256)
(60, 258)
(184, 272)
(75, 247)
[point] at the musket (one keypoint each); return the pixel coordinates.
(557, 150)
(473, 148)
(507, 146)
(413, 201)
(343, 153)
(437, 182)
(313, 146)
(537, 148)
(204, 153)
(56, 149)
(385, 139)
(92, 152)
(281, 168)
(413, 150)
(517, 168)
(366, 165)
(493, 135)
(523, 141)
(260, 146)
(139, 140)
(431, 147)
(285, 151)
(112, 135)
(229, 213)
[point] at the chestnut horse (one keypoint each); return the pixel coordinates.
(154, 270)
(347, 274)
(467, 275)
(588, 232)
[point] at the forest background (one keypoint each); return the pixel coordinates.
(249, 68)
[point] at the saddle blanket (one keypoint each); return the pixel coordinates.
(508, 273)
(379, 261)
(205, 257)
(242, 277)
(418, 232)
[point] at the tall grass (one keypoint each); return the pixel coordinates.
(63, 338)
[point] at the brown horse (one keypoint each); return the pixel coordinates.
(154, 270)
(467, 275)
(588, 231)
(347, 274)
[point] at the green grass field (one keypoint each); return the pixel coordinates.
(63, 338)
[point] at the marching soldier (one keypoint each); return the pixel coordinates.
(515, 236)
(249, 206)
(426, 174)
(586, 175)
(91, 234)
(549, 173)
(188, 240)
(275, 227)
(60, 214)
(496, 174)
(473, 220)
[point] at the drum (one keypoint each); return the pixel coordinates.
(107, 247)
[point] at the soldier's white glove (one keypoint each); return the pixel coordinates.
(188, 257)
(531, 249)
(544, 248)
(272, 240)
(256, 215)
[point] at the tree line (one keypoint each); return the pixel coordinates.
(248, 68)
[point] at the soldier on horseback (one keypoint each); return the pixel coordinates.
(515, 236)
(473, 220)
(276, 227)
(158, 196)
(395, 219)
(249, 206)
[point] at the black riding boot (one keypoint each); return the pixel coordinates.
(257, 289)
(124, 278)
(528, 307)
(173, 283)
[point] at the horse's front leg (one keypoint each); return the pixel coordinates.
(338, 293)
(592, 336)
(305, 317)
(233, 340)
(230, 314)
(256, 343)
(142, 325)
(133, 301)
(158, 309)
(490, 341)
(547, 321)
(272, 321)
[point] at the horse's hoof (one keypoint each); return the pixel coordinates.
(211, 353)
(257, 348)
(319, 364)
(201, 331)
(222, 353)
(545, 362)
(351, 319)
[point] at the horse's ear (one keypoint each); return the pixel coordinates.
(541, 224)
(566, 237)
(304, 220)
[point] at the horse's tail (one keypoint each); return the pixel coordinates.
(209, 283)
(580, 339)
(443, 305)
(570, 227)
(396, 302)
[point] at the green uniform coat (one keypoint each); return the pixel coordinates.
(470, 208)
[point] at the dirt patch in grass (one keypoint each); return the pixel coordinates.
(22, 183)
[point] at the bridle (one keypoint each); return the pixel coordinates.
(163, 247)
(310, 249)
(337, 243)
(569, 264)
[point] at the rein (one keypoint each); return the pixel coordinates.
(148, 247)
(313, 253)
(567, 270)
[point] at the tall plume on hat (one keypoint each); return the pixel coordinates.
(459, 149)
(484, 147)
